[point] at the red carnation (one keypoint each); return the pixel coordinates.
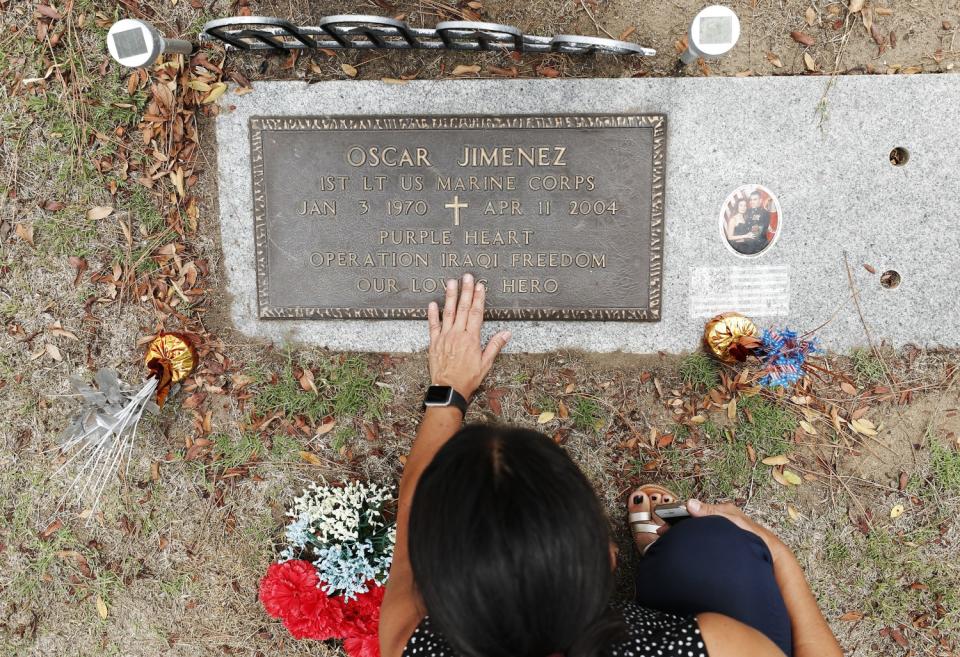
(362, 615)
(362, 646)
(362, 623)
(290, 591)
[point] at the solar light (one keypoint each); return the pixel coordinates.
(713, 32)
(135, 43)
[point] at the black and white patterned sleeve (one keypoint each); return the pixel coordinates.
(659, 634)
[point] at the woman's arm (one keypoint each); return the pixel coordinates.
(456, 360)
(726, 637)
(812, 636)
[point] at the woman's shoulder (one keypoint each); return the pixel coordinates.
(649, 632)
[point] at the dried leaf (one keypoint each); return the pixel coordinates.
(101, 608)
(311, 458)
(99, 212)
(793, 513)
(774, 59)
(326, 428)
(25, 232)
(53, 351)
(809, 61)
(562, 410)
(779, 478)
(545, 417)
(511, 72)
(198, 85)
(548, 72)
(792, 477)
(732, 409)
(665, 440)
(307, 381)
(216, 90)
(627, 32)
(49, 12)
(50, 530)
(896, 511)
(464, 69)
(855, 6)
(349, 70)
(811, 16)
(803, 38)
(848, 388)
(863, 427)
(870, 268)
(751, 454)
(57, 329)
(570, 388)
(780, 459)
(852, 616)
(808, 428)
(698, 419)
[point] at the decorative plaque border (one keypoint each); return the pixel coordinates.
(655, 122)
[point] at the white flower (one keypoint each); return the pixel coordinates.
(343, 531)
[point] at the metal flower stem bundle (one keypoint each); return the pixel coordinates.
(104, 432)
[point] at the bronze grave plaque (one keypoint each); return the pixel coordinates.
(365, 217)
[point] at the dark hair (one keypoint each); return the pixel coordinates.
(510, 548)
(757, 194)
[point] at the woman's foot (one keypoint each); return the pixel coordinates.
(645, 524)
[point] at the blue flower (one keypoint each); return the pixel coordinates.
(784, 356)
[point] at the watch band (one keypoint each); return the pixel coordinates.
(455, 399)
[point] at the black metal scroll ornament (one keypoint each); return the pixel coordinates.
(354, 31)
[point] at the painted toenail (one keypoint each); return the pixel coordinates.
(638, 499)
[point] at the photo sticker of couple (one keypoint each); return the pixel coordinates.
(750, 220)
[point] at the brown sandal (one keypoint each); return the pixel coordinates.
(643, 522)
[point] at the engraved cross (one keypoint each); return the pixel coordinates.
(455, 206)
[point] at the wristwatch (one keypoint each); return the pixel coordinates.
(445, 396)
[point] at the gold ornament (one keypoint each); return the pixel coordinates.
(731, 336)
(170, 358)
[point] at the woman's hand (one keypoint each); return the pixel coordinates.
(456, 358)
(777, 547)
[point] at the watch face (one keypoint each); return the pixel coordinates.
(438, 395)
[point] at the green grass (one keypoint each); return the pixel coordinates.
(835, 550)
(587, 414)
(764, 424)
(699, 371)
(887, 566)
(231, 453)
(867, 367)
(343, 389)
(66, 233)
(729, 470)
(545, 403)
(945, 467)
(144, 209)
(341, 438)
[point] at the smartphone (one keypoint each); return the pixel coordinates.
(672, 513)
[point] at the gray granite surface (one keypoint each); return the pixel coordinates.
(823, 150)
